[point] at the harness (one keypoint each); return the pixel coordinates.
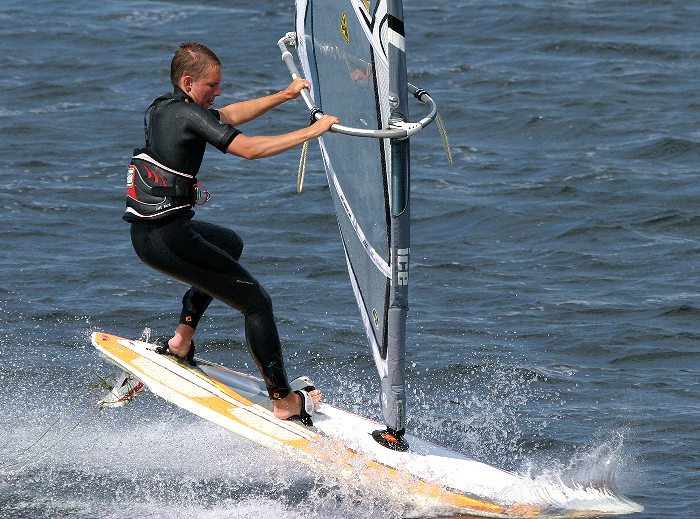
(153, 190)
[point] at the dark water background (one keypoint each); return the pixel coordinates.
(554, 318)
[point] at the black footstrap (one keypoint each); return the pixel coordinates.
(163, 349)
(307, 406)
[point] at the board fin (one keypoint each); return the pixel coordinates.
(124, 390)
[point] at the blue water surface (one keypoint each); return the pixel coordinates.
(554, 316)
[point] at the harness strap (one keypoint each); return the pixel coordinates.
(183, 188)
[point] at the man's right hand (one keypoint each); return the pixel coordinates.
(324, 124)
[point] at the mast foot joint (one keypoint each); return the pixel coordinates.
(391, 439)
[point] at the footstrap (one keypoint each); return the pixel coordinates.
(301, 386)
(307, 407)
(164, 349)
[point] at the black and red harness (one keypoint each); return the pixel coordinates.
(154, 191)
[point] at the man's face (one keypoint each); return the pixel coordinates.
(206, 89)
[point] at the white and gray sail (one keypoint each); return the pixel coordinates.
(353, 53)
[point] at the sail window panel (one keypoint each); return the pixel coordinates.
(346, 88)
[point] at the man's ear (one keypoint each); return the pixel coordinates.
(186, 82)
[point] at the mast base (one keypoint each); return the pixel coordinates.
(391, 439)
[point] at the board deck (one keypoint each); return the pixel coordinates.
(340, 442)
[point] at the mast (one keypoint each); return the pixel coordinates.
(393, 385)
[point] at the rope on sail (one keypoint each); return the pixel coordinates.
(443, 135)
(302, 166)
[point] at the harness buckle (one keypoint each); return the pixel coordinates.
(201, 195)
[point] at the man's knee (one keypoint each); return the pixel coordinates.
(265, 298)
(256, 299)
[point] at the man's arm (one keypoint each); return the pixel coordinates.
(260, 146)
(239, 113)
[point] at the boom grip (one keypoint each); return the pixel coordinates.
(396, 130)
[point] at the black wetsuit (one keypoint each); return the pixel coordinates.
(202, 254)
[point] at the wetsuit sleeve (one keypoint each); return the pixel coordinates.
(206, 125)
(223, 147)
(227, 140)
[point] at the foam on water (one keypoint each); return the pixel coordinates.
(152, 459)
(585, 481)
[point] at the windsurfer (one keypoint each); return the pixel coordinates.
(205, 256)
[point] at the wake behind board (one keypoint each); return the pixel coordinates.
(340, 443)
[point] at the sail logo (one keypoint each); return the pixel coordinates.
(402, 266)
(344, 27)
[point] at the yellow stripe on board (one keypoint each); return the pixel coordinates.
(210, 381)
(248, 418)
(169, 379)
(266, 426)
(116, 349)
(226, 390)
(413, 485)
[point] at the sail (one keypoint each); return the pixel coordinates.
(352, 52)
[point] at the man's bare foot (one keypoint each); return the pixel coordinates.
(181, 350)
(182, 340)
(290, 405)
